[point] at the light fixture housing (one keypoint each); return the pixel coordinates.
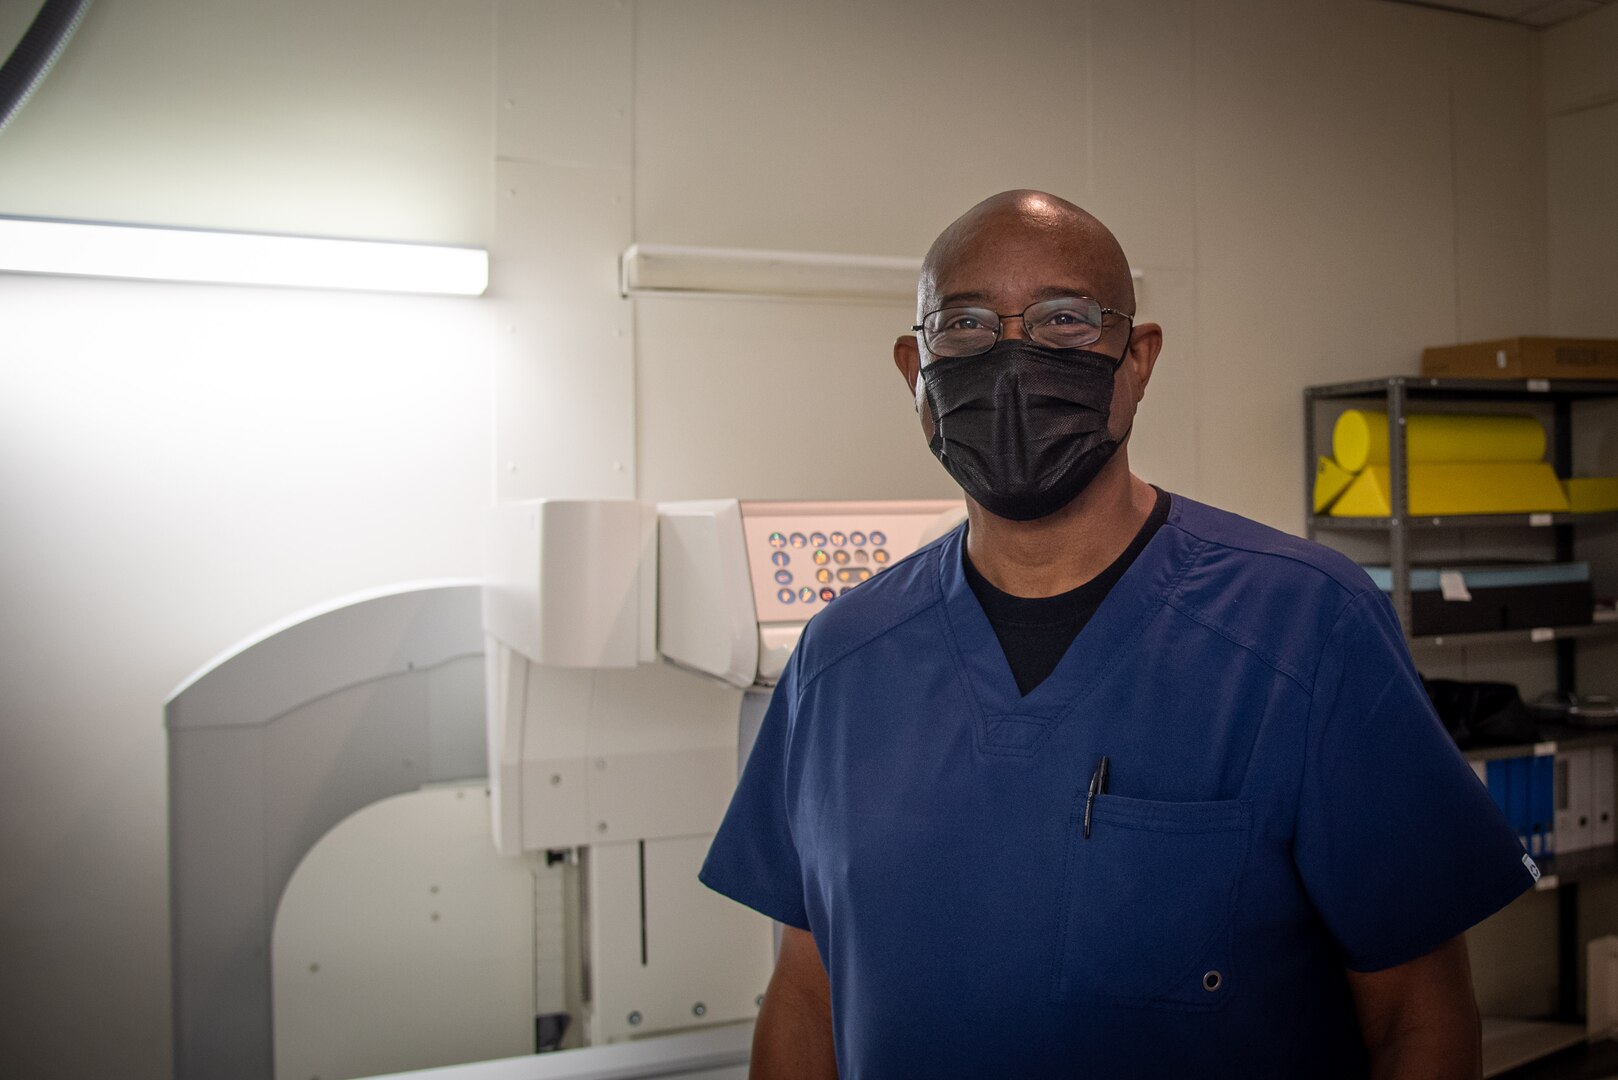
(92, 249)
(680, 270)
(669, 268)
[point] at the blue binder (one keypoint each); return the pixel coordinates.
(1519, 807)
(1542, 803)
(1496, 774)
(1524, 788)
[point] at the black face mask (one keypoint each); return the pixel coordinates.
(1022, 428)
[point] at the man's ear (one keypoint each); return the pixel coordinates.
(907, 358)
(1144, 345)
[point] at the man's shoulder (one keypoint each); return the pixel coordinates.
(1278, 596)
(1240, 545)
(868, 611)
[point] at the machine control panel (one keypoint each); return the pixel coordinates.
(737, 580)
(803, 556)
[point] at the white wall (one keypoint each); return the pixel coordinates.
(1581, 110)
(181, 465)
(1300, 214)
(1313, 190)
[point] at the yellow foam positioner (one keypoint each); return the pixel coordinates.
(1466, 487)
(1331, 480)
(1592, 494)
(1361, 438)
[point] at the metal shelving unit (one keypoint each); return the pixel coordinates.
(1535, 636)
(1562, 873)
(1398, 392)
(1463, 521)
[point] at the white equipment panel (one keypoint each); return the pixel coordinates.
(273, 744)
(716, 1053)
(582, 757)
(403, 941)
(666, 952)
(738, 580)
(630, 766)
(570, 581)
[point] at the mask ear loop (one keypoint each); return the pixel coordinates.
(1129, 339)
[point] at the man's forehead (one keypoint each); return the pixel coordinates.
(1026, 268)
(1009, 290)
(1020, 247)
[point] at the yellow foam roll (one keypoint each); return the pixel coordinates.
(1592, 494)
(1361, 438)
(1466, 487)
(1331, 480)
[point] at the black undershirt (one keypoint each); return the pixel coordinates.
(1035, 632)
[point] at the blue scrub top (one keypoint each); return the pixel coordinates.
(1283, 804)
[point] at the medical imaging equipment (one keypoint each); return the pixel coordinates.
(606, 677)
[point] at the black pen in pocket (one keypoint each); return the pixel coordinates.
(1098, 786)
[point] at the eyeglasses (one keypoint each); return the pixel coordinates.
(1067, 322)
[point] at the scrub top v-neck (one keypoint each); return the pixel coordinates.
(1283, 804)
(1035, 632)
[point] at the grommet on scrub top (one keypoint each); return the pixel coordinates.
(1212, 981)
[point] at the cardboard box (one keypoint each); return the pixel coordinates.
(1524, 358)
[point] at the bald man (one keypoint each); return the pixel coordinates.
(1105, 782)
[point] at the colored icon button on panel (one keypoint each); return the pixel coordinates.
(778, 540)
(780, 558)
(786, 596)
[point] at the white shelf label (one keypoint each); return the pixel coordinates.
(1544, 748)
(1539, 520)
(1542, 633)
(1541, 386)
(1452, 584)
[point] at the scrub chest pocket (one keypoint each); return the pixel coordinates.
(1148, 900)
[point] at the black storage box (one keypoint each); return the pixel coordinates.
(1500, 597)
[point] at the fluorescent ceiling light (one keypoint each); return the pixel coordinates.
(32, 246)
(668, 269)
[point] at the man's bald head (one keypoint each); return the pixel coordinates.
(1007, 227)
